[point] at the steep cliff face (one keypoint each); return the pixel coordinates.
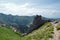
(37, 22)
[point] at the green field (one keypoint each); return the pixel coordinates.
(8, 34)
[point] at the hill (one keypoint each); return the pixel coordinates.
(14, 19)
(8, 34)
(19, 22)
(48, 31)
(41, 28)
(43, 33)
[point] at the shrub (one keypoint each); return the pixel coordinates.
(58, 27)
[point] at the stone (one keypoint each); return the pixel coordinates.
(37, 22)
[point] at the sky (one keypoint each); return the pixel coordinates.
(46, 8)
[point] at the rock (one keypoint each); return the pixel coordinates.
(37, 22)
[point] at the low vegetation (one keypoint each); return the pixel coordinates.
(58, 27)
(8, 34)
(43, 33)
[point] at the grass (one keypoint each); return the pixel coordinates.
(43, 33)
(58, 27)
(8, 34)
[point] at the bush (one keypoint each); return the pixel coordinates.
(58, 27)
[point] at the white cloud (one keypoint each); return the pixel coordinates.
(24, 9)
(13, 8)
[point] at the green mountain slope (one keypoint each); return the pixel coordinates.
(20, 22)
(8, 34)
(14, 19)
(43, 33)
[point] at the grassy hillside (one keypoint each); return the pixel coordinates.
(43, 33)
(8, 34)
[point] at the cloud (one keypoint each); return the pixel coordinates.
(13, 8)
(25, 9)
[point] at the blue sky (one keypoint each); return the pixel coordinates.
(46, 8)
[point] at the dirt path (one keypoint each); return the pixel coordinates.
(56, 32)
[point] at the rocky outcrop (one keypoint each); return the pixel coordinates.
(37, 22)
(2, 24)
